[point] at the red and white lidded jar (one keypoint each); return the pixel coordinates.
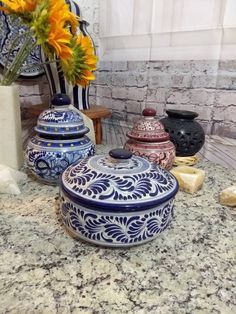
(148, 139)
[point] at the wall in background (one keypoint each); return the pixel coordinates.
(133, 30)
(199, 34)
(207, 87)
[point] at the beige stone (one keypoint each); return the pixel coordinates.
(228, 196)
(190, 179)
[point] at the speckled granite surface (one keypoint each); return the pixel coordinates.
(189, 268)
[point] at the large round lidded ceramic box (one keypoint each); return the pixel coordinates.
(148, 139)
(60, 141)
(116, 200)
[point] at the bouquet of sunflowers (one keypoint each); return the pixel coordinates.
(51, 25)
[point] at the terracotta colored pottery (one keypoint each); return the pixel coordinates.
(148, 139)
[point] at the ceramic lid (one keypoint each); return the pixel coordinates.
(148, 128)
(61, 120)
(118, 182)
(182, 114)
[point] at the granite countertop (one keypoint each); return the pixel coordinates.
(189, 268)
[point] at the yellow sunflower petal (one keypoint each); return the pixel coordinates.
(20, 6)
(88, 75)
(61, 12)
(79, 39)
(81, 82)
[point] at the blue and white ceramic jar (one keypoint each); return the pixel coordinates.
(116, 200)
(60, 141)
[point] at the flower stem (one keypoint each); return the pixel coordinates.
(13, 71)
(12, 46)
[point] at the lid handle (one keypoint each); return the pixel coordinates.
(119, 153)
(60, 100)
(149, 112)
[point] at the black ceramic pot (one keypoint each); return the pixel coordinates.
(187, 134)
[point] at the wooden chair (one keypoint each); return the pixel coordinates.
(96, 113)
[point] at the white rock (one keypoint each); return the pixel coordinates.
(9, 179)
(228, 196)
(190, 179)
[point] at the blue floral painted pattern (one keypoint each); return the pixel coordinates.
(9, 30)
(83, 180)
(59, 116)
(48, 165)
(111, 229)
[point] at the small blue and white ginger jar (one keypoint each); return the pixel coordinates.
(60, 141)
(117, 200)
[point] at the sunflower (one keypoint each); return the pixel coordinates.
(60, 11)
(53, 25)
(59, 38)
(19, 6)
(78, 68)
(85, 43)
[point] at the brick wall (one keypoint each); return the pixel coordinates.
(207, 87)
